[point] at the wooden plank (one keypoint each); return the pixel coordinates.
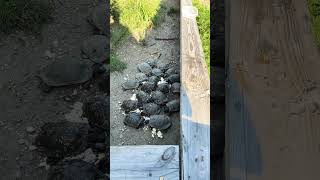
(151, 162)
(273, 127)
(195, 102)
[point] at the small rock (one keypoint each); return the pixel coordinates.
(45, 165)
(67, 99)
(32, 148)
(55, 43)
(21, 141)
(49, 54)
(30, 129)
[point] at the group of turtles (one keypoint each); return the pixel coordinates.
(156, 90)
(94, 52)
(59, 141)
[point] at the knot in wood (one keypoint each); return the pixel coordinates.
(168, 153)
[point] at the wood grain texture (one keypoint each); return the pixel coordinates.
(195, 103)
(273, 94)
(149, 162)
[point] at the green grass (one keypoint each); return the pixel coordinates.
(135, 18)
(203, 21)
(118, 33)
(116, 64)
(25, 15)
(314, 8)
(137, 15)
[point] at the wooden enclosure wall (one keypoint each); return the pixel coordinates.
(273, 119)
(195, 102)
(148, 162)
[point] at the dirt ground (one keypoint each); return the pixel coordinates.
(22, 103)
(132, 53)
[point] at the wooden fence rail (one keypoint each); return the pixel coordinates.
(195, 100)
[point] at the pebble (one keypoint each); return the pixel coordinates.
(75, 92)
(44, 164)
(55, 43)
(31, 148)
(21, 141)
(49, 54)
(67, 99)
(30, 129)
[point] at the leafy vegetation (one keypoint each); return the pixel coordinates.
(137, 16)
(203, 21)
(26, 15)
(132, 17)
(314, 8)
(116, 64)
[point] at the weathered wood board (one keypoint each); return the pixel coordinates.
(147, 162)
(273, 95)
(195, 102)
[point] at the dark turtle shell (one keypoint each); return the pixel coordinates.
(129, 105)
(145, 68)
(143, 97)
(96, 48)
(133, 119)
(157, 72)
(160, 122)
(140, 77)
(158, 97)
(96, 110)
(148, 86)
(162, 66)
(174, 78)
(173, 106)
(154, 79)
(151, 109)
(66, 71)
(73, 169)
(175, 88)
(163, 87)
(152, 62)
(130, 84)
(171, 71)
(61, 139)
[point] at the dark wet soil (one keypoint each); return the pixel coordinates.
(24, 108)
